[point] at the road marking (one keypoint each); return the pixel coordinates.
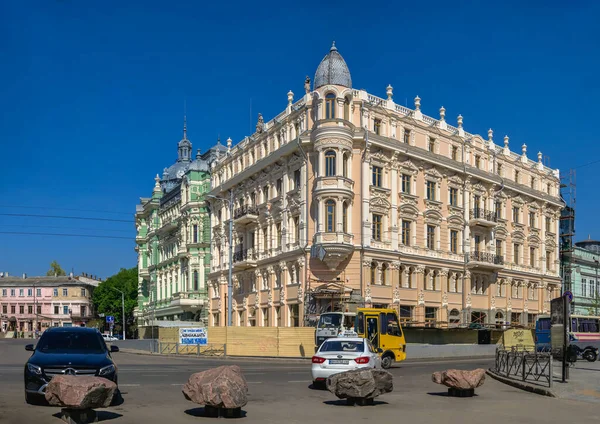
(128, 385)
(177, 384)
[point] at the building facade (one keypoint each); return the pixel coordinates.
(173, 241)
(31, 303)
(582, 277)
(348, 199)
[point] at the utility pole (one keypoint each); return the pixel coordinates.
(123, 306)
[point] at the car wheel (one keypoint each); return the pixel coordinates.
(590, 356)
(386, 362)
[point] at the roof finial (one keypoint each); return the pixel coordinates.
(333, 48)
(184, 119)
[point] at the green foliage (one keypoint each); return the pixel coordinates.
(55, 269)
(107, 300)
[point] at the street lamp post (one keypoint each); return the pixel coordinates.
(230, 276)
(123, 305)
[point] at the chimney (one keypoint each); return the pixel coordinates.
(24, 276)
(1, 275)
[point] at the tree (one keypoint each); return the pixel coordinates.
(594, 304)
(107, 300)
(55, 269)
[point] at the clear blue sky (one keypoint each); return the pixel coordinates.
(92, 94)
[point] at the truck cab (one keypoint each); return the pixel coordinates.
(332, 324)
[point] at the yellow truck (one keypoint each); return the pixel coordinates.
(382, 327)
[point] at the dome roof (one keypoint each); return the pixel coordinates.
(333, 70)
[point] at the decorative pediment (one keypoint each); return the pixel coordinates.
(379, 156)
(518, 235)
(478, 187)
(294, 160)
(518, 200)
(455, 180)
(380, 204)
(456, 221)
(408, 167)
(550, 243)
(433, 173)
(432, 216)
(409, 211)
(533, 239)
(501, 232)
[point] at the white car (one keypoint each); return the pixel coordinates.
(341, 354)
(109, 338)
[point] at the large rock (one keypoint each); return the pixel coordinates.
(222, 387)
(460, 379)
(365, 383)
(72, 392)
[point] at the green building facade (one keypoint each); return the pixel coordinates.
(582, 277)
(173, 242)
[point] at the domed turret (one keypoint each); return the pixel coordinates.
(333, 70)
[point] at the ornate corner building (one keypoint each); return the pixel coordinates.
(345, 198)
(173, 242)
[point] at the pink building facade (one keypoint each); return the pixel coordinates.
(37, 303)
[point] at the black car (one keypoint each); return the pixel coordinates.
(67, 351)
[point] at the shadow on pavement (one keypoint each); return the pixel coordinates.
(199, 412)
(445, 394)
(344, 402)
(319, 387)
(102, 415)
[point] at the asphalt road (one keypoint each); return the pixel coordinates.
(279, 391)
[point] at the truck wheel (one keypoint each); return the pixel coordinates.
(386, 362)
(590, 356)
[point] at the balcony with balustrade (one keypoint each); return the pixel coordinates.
(483, 218)
(334, 185)
(244, 258)
(245, 215)
(484, 261)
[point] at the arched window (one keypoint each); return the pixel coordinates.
(345, 217)
(347, 109)
(330, 106)
(345, 165)
(196, 283)
(330, 216)
(329, 163)
(373, 273)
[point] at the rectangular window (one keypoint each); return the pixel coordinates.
(516, 253)
(430, 237)
(548, 260)
(266, 193)
(279, 185)
(38, 292)
(56, 310)
(532, 219)
(21, 309)
(477, 161)
(265, 314)
(83, 310)
(297, 228)
(195, 233)
(532, 257)
(454, 154)
(584, 287)
(498, 210)
(39, 309)
(65, 310)
(294, 316)
(29, 292)
(376, 230)
(548, 228)
(406, 233)
(377, 126)
(454, 241)
(12, 309)
(430, 315)
(65, 292)
(533, 183)
(406, 183)
(278, 235)
(515, 214)
(4, 309)
(499, 169)
(21, 292)
(477, 242)
(12, 292)
(407, 136)
(430, 190)
(453, 196)
(3, 292)
(377, 176)
(82, 292)
(431, 145)
(297, 179)
(499, 248)
(30, 309)
(406, 313)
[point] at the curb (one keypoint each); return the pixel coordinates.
(521, 385)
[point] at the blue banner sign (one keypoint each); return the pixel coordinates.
(193, 336)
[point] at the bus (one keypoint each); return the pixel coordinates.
(583, 332)
(332, 324)
(382, 327)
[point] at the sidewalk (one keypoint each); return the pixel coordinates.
(583, 383)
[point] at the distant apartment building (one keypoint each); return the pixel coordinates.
(582, 277)
(346, 198)
(173, 242)
(30, 303)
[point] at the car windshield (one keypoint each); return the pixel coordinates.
(342, 346)
(65, 342)
(330, 321)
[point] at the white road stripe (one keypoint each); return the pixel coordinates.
(177, 384)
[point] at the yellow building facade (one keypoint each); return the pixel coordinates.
(347, 199)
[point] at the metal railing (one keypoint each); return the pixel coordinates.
(169, 348)
(479, 213)
(244, 255)
(245, 210)
(524, 365)
(486, 257)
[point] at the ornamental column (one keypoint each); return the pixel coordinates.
(420, 309)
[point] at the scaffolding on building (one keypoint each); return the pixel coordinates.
(328, 296)
(567, 227)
